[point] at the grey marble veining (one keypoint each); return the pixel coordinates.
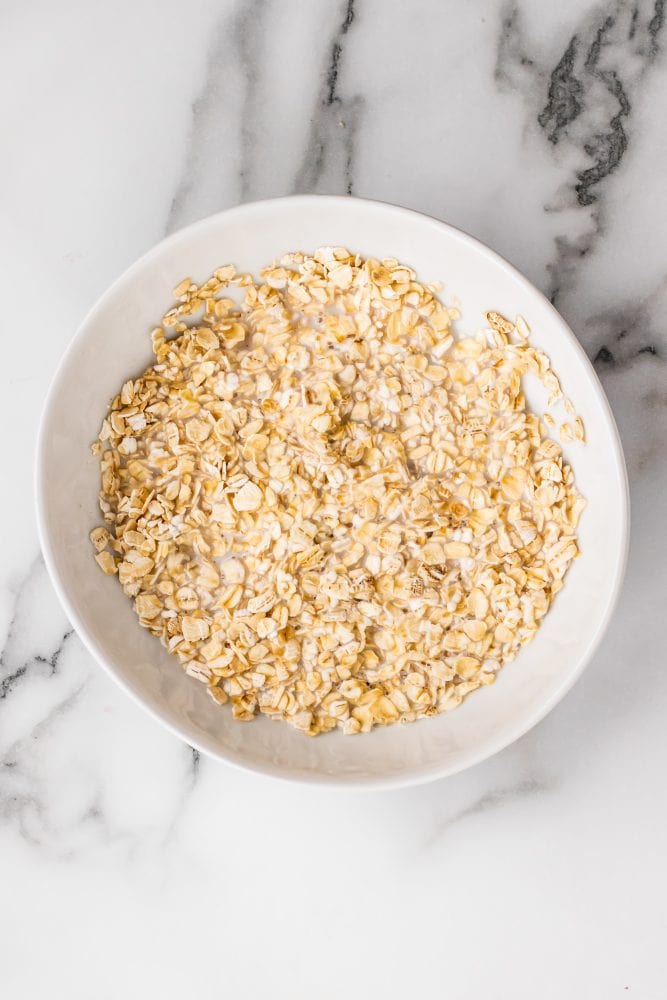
(328, 159)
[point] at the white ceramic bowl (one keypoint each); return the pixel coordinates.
(113, 344)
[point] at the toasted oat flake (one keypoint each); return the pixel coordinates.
(332, 510)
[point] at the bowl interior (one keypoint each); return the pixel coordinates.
(113, 344)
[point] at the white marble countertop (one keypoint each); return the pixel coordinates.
(129, 866)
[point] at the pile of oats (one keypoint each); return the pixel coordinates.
(330, 509)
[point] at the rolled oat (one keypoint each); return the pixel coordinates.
(330, 509)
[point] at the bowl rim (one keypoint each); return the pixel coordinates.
(334, 780)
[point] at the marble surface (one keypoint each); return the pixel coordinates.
(132, 867)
